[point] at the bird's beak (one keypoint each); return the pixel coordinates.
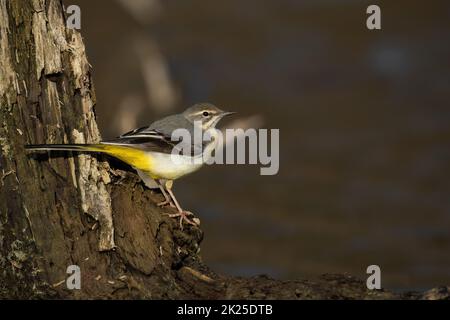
(227, 113)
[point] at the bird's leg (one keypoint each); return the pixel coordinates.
(167, 199)
(183, 214)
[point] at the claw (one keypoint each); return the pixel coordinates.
(184, 217)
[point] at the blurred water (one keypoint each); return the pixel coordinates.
(364, 125)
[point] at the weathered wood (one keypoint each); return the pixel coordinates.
(60, 210)
(46, 96)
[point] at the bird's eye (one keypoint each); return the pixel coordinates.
(205, 113)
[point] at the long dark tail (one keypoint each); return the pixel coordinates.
(66, 147)
(134, 157)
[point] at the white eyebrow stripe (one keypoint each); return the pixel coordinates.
(212, 113)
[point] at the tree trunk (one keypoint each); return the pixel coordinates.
(47, 97)
(59, 210)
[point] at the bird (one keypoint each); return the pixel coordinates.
(150, 150)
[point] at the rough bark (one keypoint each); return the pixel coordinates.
(62, 210)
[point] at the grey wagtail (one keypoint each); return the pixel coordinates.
(149, 150)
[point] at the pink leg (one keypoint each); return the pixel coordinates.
(167, 199)
(183, 214)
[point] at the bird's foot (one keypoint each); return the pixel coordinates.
(165, 202)
(184, 217)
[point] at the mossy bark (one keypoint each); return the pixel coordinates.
(64, 209)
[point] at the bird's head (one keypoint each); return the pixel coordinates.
(206, 113)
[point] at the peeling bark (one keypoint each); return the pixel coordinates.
(57, 210)
(60, 210)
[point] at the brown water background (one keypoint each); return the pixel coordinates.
(364, 119)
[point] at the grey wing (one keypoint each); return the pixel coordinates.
(145, 131)
(147, 141)
(163, 127)
(167, 125)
